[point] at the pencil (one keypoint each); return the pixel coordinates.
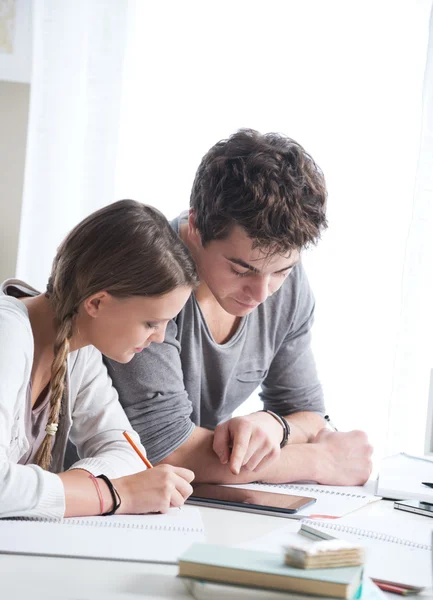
(138, 451)
(395, 588)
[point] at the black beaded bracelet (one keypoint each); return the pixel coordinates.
(284, 424)
(114, 495)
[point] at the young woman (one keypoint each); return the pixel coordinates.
(116, 281)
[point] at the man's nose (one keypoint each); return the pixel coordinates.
(259, 288)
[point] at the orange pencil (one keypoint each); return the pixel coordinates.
(138, 451)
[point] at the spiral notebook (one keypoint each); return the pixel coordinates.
(331, 501)
(398, 551)
(144, 538)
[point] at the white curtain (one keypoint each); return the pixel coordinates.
(78, 51)
(346, 80)
(414, 351)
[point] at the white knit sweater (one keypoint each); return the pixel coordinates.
(92, 418)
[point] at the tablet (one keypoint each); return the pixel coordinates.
(235, 498)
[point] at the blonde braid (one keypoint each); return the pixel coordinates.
(57, 386)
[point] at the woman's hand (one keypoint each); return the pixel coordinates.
(154, 490)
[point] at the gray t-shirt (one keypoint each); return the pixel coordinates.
(191, 380)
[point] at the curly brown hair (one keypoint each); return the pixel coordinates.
(267, 184)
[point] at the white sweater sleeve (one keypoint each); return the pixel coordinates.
(24, 490)
(98, 420)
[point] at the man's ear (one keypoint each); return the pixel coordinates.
(193, 232)
(94, 305)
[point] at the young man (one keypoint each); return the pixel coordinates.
(256, 202)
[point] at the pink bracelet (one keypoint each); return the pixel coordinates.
(98, 489)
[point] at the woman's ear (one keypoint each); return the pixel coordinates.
(95, 304)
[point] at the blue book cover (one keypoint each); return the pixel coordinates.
(267, 570)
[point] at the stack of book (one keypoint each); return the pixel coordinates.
(225, 572)
(306, 554)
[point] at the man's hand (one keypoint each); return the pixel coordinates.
(345, 457)
(250, 442)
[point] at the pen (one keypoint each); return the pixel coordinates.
(427, 483)
(330, 423)
(138, 451)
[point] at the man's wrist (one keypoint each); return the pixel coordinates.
(284, 424)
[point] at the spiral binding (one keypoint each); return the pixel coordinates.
(375, 535)
(304, 488)
(108, 523)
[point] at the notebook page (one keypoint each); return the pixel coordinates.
(398, 550)
(147, 538)
(415, 530)
(401, 475)
(331, 501)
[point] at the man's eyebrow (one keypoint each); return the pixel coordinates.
(245, 265)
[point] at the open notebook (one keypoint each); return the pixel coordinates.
(147, 538)
(331, 501)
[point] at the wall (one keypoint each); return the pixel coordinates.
(14, 109)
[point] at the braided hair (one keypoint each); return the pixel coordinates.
(126, 249)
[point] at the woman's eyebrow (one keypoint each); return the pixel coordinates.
(157, 321)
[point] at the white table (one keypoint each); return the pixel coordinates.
(37, 578)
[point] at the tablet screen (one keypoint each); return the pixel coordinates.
(219, 494)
